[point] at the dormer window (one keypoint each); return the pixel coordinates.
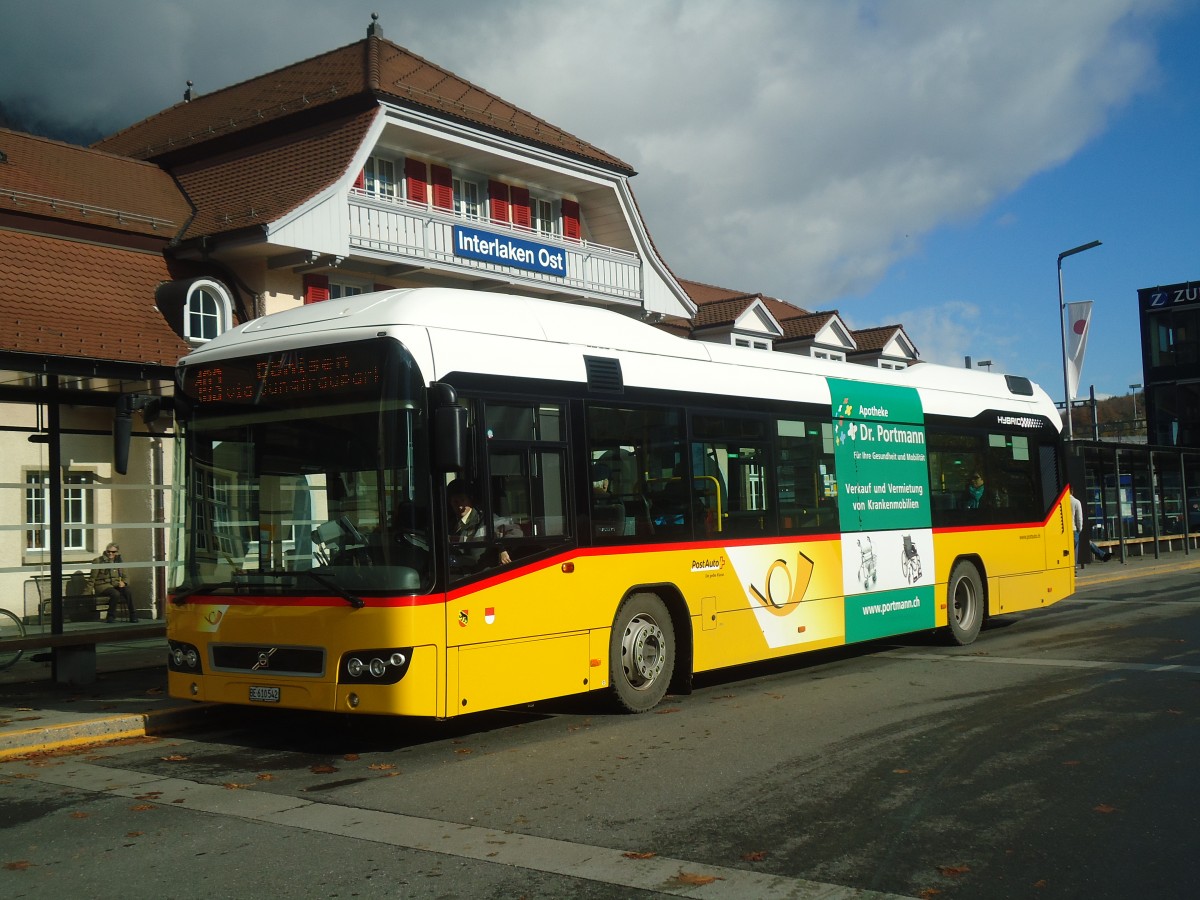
(206, 311)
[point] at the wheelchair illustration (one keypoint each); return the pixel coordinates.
(867, 574)
(910, 560)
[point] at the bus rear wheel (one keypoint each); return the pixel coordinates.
(641, 653)
(964, 596)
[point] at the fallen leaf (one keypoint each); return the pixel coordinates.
(174, 757)
(143, 807)
(234, 786)
(464, 751)
(350, 757)
(134, 833)
(900, 771)
(634, 854)
(381, 767)
(323, 769)
(954, 871)
(928, 892)
(79, 815)
(19, 865)
(693, 879)
(1040, 883)
(265, 776)
(755, 856)
(1104, 808)
(667, 710)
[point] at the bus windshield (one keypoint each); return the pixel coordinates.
(307, 474)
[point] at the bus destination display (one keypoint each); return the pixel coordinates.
(291, 375)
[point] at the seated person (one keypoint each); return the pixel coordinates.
(109, 582)
(608, 512)
(976, 491)
(466, 524)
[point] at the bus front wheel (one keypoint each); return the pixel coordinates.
(641, 653)
(965, 604)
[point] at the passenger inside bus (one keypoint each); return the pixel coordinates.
(608, 512)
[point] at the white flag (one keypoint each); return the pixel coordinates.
(1079, 320)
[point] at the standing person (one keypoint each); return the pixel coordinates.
(109, 581)
(1077, 524)
(1098, 552)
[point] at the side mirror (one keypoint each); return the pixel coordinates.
(449, 429)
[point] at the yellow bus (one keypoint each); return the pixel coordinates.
(433, 502)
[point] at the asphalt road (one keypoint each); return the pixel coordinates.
(1056, 757)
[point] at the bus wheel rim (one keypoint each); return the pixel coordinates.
(643, 651)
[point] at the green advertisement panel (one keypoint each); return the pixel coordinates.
(879, 451)
(883, 498)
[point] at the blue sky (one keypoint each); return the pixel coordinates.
(1135, 187)
(920, 162)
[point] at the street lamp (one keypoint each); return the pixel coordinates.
(985, 363)
(1135, 388)
(1062, 324)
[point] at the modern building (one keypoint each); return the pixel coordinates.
(1170, 324)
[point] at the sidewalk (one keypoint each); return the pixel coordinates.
(129, 697)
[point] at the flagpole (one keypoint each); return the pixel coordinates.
(1062, 325)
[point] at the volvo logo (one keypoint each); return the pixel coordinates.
(264, 659)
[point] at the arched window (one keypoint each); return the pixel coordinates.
(206, 311)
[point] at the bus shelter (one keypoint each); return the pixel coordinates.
(1138, 499)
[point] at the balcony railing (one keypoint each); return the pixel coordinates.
(422, 233)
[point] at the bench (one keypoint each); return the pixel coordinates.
(79, 603)
(1139, 545)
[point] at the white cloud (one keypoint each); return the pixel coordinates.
(800, 149)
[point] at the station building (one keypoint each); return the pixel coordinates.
(364, 168)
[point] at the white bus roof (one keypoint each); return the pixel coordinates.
(450, 330)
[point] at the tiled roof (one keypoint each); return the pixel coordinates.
(48, 178)
(704, 295)
(805, 326)
(721, 312)
(872, 340)
(69, 298)
(264, 183)
(370, 67)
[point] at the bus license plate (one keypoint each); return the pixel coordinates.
(265, 694)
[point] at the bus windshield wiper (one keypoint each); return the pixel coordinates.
(328, 583)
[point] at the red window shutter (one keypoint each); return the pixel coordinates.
(521, 215)
(414, 173)
(498, 201)
(361, 181)
(316, 288)
(443, 187)
(570, 220)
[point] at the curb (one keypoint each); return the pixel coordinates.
(106, 729)
(1126, 572)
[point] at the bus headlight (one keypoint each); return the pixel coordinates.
(183, 657)
(386, 666)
